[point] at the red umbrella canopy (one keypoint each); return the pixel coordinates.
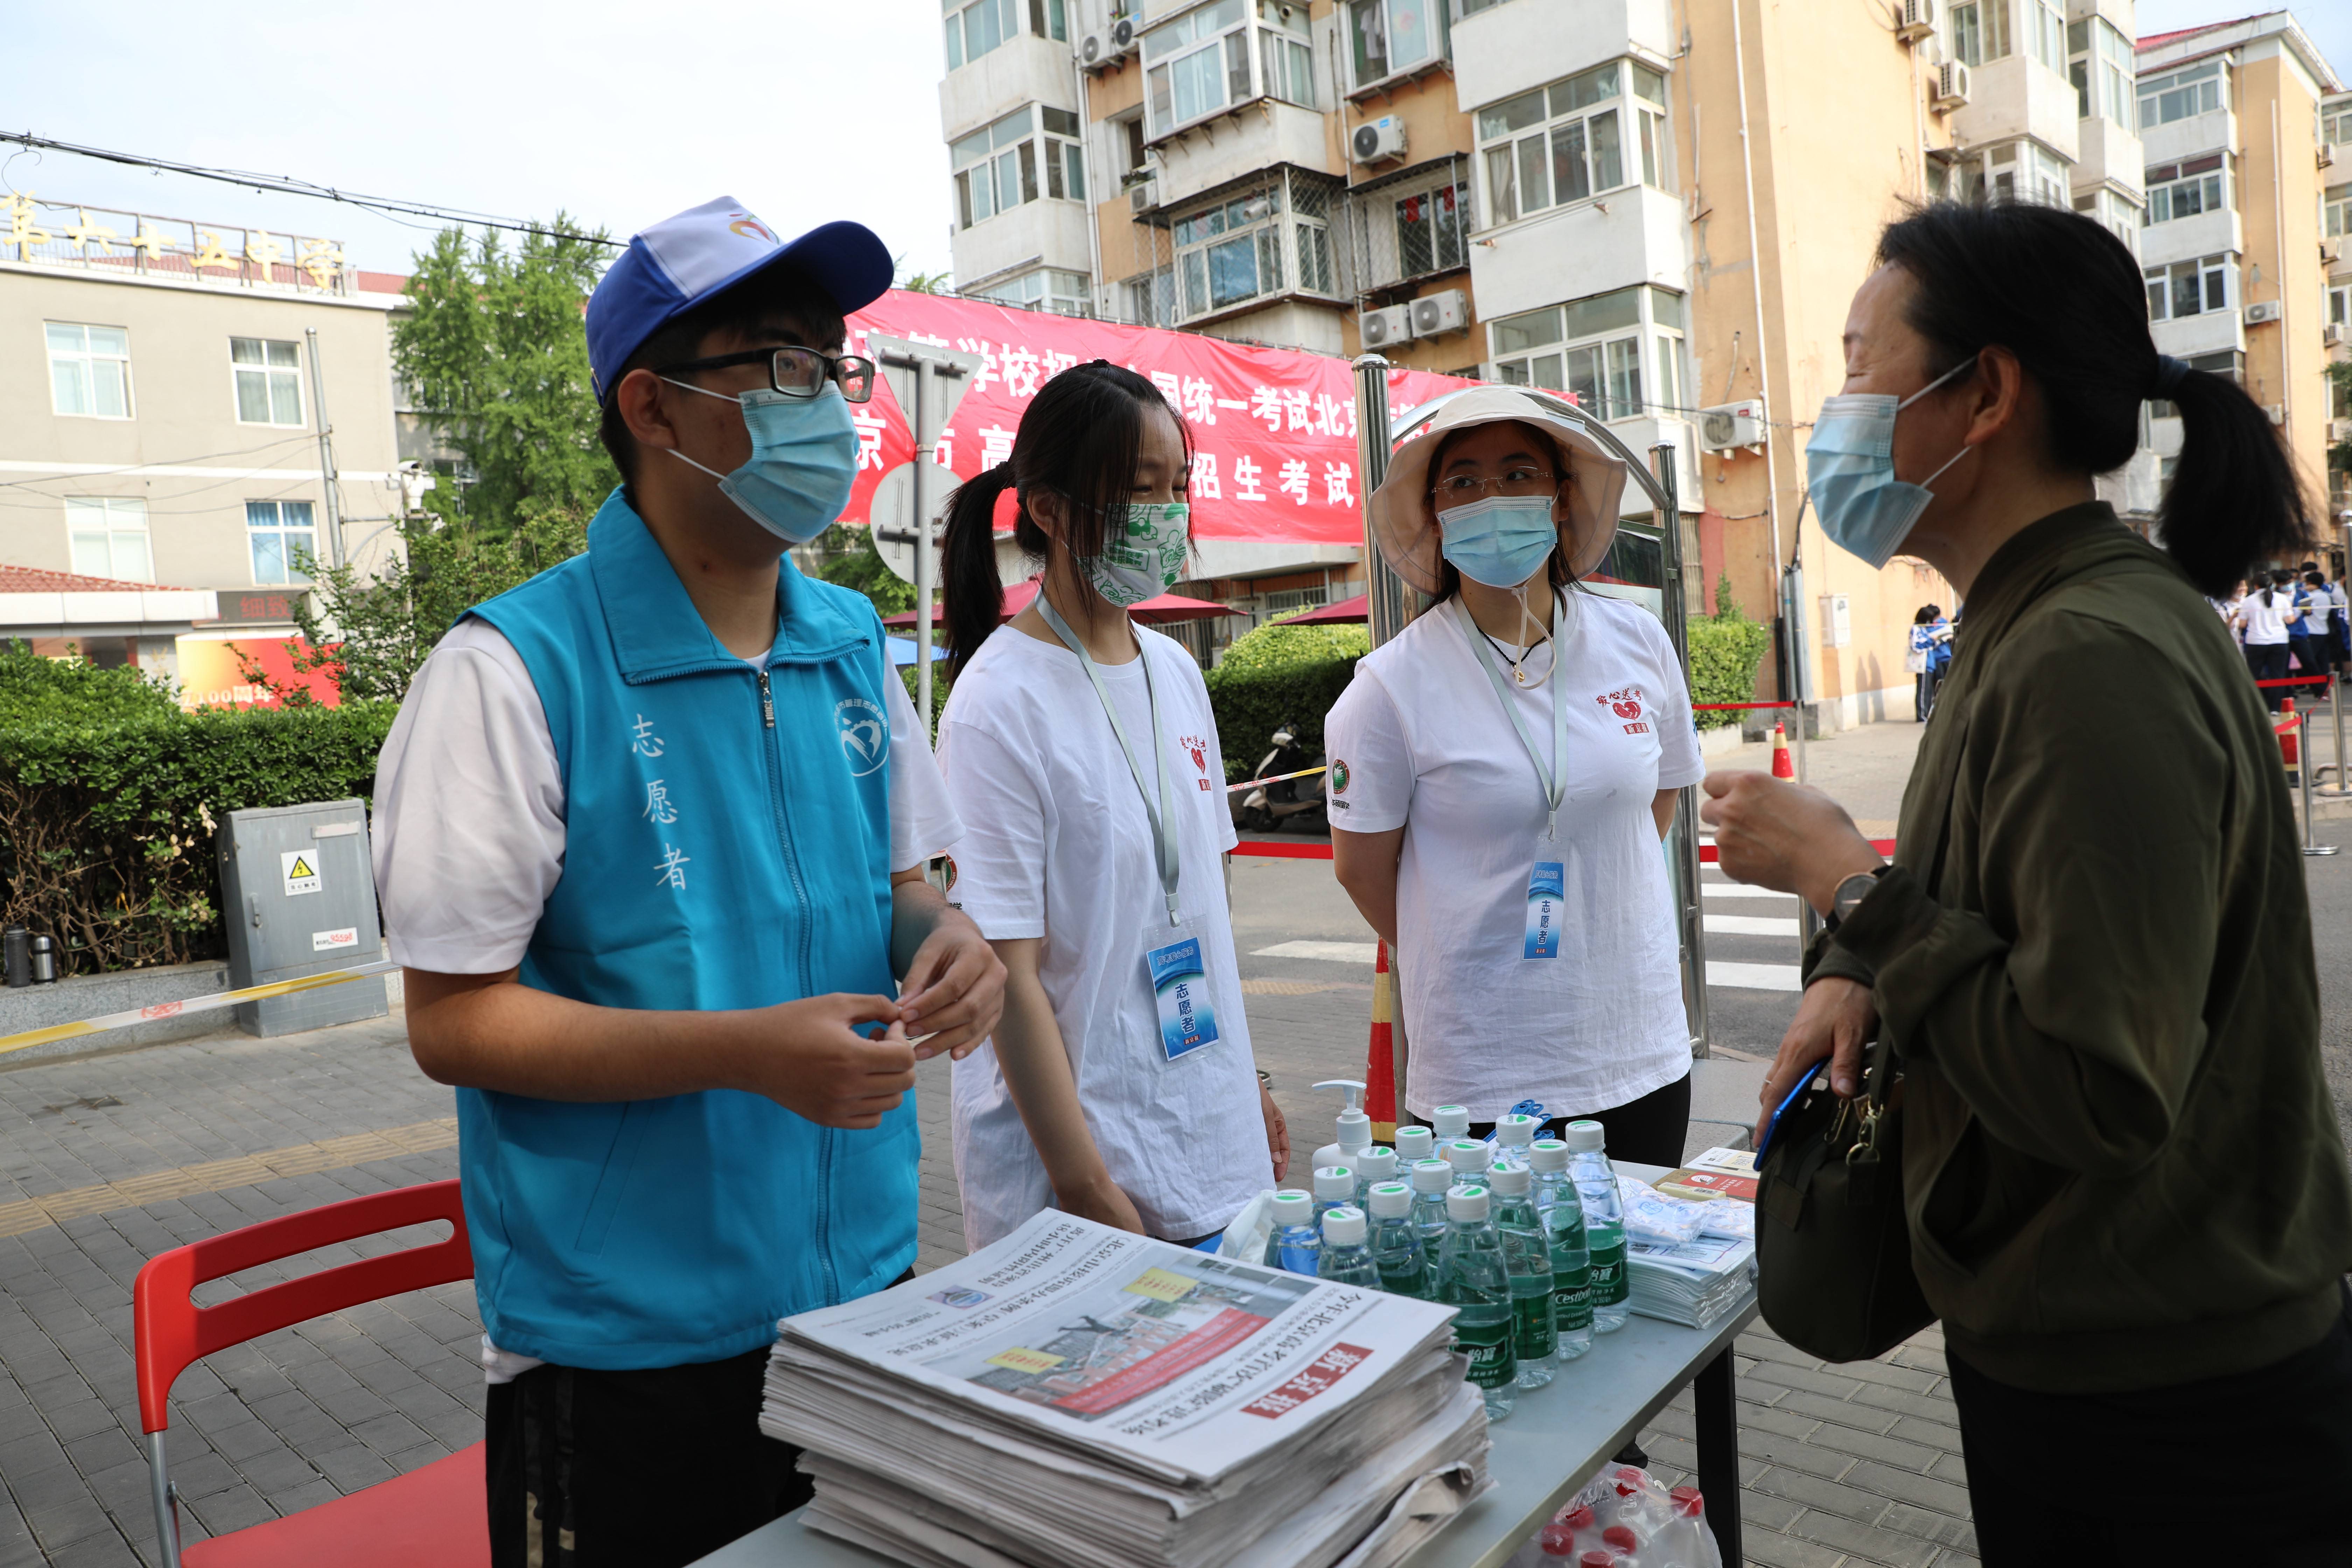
(1357, 609)
(1158, 609)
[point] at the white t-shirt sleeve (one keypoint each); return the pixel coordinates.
(469, 832)
(1365, 734)
(1679, 761)
(922, 821)
(1000, 857)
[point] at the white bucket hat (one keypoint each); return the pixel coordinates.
(1404, 521)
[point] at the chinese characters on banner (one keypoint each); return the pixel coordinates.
(1274, 430)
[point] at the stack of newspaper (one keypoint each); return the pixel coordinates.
(1075, 1396)
(1690, 1243)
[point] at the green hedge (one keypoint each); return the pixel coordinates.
(1280, 675)
(1727, 649)
(108, 807)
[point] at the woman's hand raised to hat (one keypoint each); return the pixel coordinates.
(1773, 834)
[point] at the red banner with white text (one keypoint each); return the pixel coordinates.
(1274, 430)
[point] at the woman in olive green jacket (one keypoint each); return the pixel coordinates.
(2126, 1191)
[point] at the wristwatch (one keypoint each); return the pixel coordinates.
(1849, 894)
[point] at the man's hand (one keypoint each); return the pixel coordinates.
(1102, 1200)
(1277, 1133)
(1773, 834)
(1835, 1020)
(954, 990)
(824, 1059)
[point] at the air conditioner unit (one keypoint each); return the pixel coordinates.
(1377, 140)
(1733, 425)
(2277, 412)
(2339, 431)
(1448, 312)
(1382, 328)
(2331, 252)
(2333, 334)
(1914, 20)
(1094, 51)
(2262, 310)
(2328, 154)
(1951, 87)
(1143, 196)
(1123, 36)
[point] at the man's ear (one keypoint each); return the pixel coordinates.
(640, 397)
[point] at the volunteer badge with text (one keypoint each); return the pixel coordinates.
(1180, 983)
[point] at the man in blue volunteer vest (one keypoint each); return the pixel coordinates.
(650, 835)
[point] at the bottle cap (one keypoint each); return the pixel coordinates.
(1465, 1202)
(1508, 1181)
(1619, 1536)
(1547, 1154)
(1584, 1137)
(1355, 1127)
(1556, 1541)
(1376, 1164)
(1468, 1154)
(1390, 1200)
(1413, 1145)
(1515, 1131)
(1687, 1503)
(1432, 1176)
(1596, 1558)
(1343, 1226)
(1293, 1208)
(1335, 1182)
(1451, 1120)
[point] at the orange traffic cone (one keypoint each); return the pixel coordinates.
(1380, 1058)
(1783, 765)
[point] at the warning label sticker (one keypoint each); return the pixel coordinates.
(302, 870)
(329, 940)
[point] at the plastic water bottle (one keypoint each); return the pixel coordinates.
(1295, 1245)
(1334, 1185)
(1346, 1260)
(1374, 1166)
(1604, 1225)
(1571, 1265)
(1513, 1134)
(1450, 1122)
(1527, 1260)
(1395, 1245)
(1430, 1180)
(1414, 1144)
(1470, 1157)
(1471, 1279)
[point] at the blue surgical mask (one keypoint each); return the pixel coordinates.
(1850, 469)
(803, 460)
(1501, 541)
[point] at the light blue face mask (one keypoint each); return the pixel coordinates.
(1501, 541)
(1850, 469)
(803, 460)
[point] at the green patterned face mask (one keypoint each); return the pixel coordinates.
(1143, 551)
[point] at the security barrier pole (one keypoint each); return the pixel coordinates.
(2335, 714)
(2302, 773)
(1691, 921)
(1388, 604)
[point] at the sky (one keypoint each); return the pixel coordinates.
(619, 114)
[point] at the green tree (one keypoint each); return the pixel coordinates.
(847, 555)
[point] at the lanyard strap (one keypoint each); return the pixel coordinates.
(1553, 779)
(1163, 841)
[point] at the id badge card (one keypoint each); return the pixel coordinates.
(1547, 884)
(1179, 973)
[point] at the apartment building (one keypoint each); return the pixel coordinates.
(2243, 246)
(171, 433)
(2336, 331)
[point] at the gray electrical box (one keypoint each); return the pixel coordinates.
(299, 894)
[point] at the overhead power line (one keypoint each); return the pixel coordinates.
(287, 184)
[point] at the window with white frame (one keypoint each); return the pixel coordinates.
(2099, 62)
(2046, 33)
(2336, 216)
(109, 538)
(89, 369)
(2188, 289)
(2026, 171)
(2335, 125)
(1429, 231)
(1286, 53)
(1000, 166)
(1388, 37)
(2186, 189)
(1044, 289)
(976, 27)
(1568, 141)
(268, 375)
(2115, 212)
(2177, 95)
(1244, 249)
(1980, 31)
(2339, 313)
(276, 531)
(1592, 350)
(1197, 65)
(1152, 299)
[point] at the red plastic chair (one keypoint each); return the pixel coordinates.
(437, 1514)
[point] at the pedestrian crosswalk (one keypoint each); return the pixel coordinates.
(1752, 950)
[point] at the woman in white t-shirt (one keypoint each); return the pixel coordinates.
(1082, 755)
(2268, 619)
(1502, 772)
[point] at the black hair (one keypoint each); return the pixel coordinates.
(1927, 615)
(776, 291)
(2312, 579)
(1080, 439)
(1557, 571)
(2066, 296)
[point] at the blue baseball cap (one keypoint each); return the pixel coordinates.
(680, 262)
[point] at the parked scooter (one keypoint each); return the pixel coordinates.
(1270, 805)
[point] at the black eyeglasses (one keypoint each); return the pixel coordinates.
(1519, 479)
(796, 372)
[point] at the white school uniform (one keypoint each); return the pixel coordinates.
(1420, 741)
(1057, 844)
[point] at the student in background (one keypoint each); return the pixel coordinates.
(2264, 620)
(2326, 601)
(1930, 652)
(1083, 755)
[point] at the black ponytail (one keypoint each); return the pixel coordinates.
(1078, 440)
(2066, 297)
